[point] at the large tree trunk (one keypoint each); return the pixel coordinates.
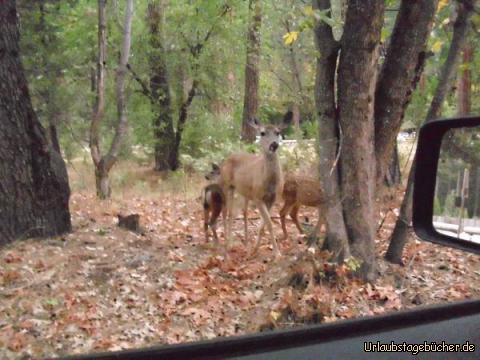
(103, 164)
(349, 131)
(34, 191)
(164, 133)
(336, 239)
(460, 30)
(250, 102)
(399, 76)
(356, 93)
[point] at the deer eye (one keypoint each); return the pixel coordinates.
(262, 133)
(277, 133)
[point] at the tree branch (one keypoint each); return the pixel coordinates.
(145, 89)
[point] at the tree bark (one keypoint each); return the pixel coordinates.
(399, 76)
(99, 106)
(461, 26)
(464, 89)
(400, 233)
(250, 102)
(103, 164)
(460, 31)
(34, 191)
(393, 176)
(357, 74)
(182, 119)
(164, 133)
(336, 239)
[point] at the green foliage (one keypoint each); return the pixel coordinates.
(353, 264)
(437, 207)
(58, 47)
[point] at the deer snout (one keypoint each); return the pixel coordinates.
(274, 146)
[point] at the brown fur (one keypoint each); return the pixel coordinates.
(257, 178)
(213, 205)
(297, 191)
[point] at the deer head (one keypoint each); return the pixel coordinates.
(270, 135)
(214, 173)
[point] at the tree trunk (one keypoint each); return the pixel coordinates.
(250, 102)
(393, 176)
(34, 191)
(348, 131)
(99, 107)
(103, 164)
(164, 133)
(464, 89)
(356, 90)
(461, 26)
(400, 233)
(336, 239)
(460, 31)
(182, 119)
(399, 76)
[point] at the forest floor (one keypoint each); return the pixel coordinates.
(102, 288)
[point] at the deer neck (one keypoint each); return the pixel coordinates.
(272, 165)
(273, 177)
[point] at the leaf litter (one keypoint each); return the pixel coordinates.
(102, 288)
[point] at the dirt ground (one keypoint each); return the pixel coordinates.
(103, 288)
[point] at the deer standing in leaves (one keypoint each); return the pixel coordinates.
(301, 190)
(257, 177)
(213, 200)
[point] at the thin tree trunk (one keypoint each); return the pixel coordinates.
(103, 164)
(357, 75)
(34, 191)
(399, 76)
(336, 239)
(182, 119)
(250, 103)
(465, 82)
(99, 107)
(393, 176)
(461, 26)
(296, 115)
(164, 133)
(399, 236)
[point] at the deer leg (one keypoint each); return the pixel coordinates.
(214, 230)
(213, 222)
(205, 223)
(294, 216)
(268, 221)
(245, 220)
(259, 238)
(228, 227)
(283, 213)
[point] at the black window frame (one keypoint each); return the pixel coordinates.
(427, 156)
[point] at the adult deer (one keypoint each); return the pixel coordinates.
(257, 177)
(301, 190)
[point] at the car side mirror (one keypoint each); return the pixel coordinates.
(446, 194)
